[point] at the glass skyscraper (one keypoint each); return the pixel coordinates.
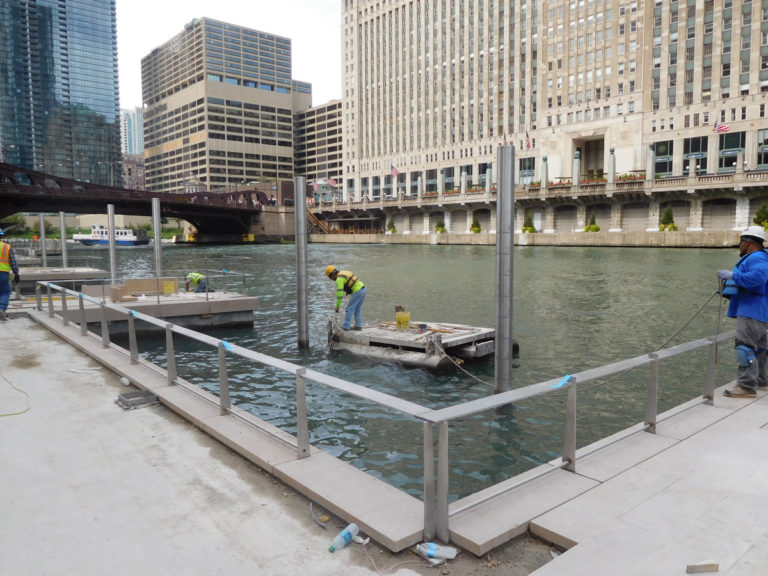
(59, 97)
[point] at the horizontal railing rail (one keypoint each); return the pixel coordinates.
(436, 479)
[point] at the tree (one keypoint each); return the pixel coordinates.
(440, 227)
(391, 226)
(475, 227)
(668, 220)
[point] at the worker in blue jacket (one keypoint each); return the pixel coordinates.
(750, 308)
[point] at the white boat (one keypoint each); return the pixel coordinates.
(99, 236)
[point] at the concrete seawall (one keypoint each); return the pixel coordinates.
(700, 239)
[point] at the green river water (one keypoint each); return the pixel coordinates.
(574, 308)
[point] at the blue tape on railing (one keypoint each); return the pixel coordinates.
(50, 284)
(82, 296)
(226, 345)
(563, 382)
(134, 314)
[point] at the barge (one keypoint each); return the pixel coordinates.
(432, 345)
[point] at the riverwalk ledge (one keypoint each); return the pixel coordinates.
(94, 486)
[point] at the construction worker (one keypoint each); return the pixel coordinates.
(348, 283)
(197, 281)
(7, 265)
(749, 305)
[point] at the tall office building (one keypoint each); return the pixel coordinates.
(132, 131)
(431, 88)
(318, 144)
(219, 104)
(59, 104)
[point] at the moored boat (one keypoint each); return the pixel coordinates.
(99, 236)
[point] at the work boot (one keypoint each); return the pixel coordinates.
(357, 328)
(2, 316)
(739, 392)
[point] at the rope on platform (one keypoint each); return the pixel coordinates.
(469, 373)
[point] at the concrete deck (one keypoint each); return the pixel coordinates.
(638, 504)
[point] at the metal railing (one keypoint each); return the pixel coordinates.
(436, 480)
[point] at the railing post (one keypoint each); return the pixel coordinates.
(132, 338)
(429, 482)
(569, 443)
(170, 355)
(64, 311)
(441, 510)
(83, 325)
(302, 426)
(39, 297)
(50, 300)
(224, 401)
(651, 406)
(709, 384)
(104, 326)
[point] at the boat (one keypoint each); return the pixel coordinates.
(99, 236)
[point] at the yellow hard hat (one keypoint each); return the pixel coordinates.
(330, 270)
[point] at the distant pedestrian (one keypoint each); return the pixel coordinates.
(750, 308)
(196, 281)
(7, 265)
(348, 283)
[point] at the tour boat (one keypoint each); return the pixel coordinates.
(99, 236)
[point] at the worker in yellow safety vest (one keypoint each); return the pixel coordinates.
(7, 265)
(348, 283)
(196, 281)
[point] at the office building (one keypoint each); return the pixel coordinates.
(317, 145)
(431, 89)
(59, 104)
(219, 104)
(132, 131)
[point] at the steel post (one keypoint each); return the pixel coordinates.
(505, 220)
(302, 286)
(652, 403)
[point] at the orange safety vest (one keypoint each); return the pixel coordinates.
(5, 257)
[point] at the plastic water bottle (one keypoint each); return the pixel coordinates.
(344, 537)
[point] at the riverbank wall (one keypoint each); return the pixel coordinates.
(697, 239)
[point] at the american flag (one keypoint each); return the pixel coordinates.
(527, 141)
(395, 173)
(332, 182)
(316, 186)
(721, 128)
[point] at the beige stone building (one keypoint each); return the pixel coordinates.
(219, 104)
(673, 88)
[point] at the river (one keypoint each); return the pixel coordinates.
(574, 308)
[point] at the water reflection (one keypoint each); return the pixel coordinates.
(575, 308)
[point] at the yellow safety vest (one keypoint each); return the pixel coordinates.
(5, 257)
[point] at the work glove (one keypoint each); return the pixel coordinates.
(16, 278)
(725, 274)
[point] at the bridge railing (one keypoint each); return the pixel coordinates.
(436, 479)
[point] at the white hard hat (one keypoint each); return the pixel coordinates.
(756, 232)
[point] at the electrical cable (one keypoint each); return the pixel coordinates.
(29, 406)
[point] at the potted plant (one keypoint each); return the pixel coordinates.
(475, 227)
(391, 226)
(440, 227)
(668, 220)
(592, 226)
(528, 226)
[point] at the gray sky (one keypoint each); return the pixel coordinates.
(314, 27)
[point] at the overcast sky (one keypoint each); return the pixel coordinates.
(314, 27)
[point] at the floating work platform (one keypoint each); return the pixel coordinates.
(72, 277)
(431, 345)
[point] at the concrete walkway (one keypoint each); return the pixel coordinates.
(90, 489)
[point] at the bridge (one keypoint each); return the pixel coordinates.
(217, 216)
